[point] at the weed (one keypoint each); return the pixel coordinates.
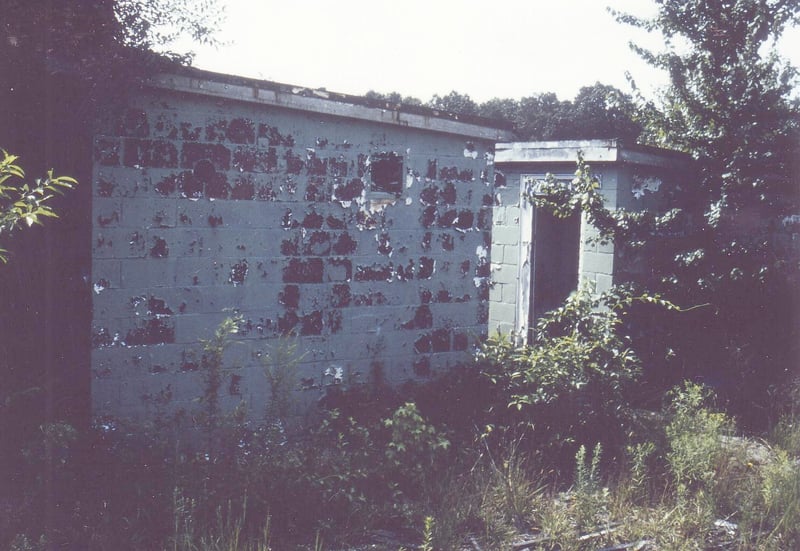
(694, 436)
(427, 534)
(590, 498)
(280, 364)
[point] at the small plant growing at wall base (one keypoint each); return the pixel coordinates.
(280, 365)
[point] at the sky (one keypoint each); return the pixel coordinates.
(506, 49)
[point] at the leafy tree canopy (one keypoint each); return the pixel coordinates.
(24, 203)
(598, 111)
(107, 44)
(87, 30)
(454, 102)
(393, 98)
(723, 239)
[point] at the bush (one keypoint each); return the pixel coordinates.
(571, 385)
(694, 437)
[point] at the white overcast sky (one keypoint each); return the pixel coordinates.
(506, 48)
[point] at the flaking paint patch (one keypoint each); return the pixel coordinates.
(159, 248)
(238, 273)
(423, 319)
(427, 267)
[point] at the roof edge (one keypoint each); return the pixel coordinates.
(594, 151)
(196, 81)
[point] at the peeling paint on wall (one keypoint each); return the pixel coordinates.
(359, 239)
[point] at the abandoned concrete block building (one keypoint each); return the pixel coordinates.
(382, 242)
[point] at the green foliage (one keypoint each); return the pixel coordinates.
(23, 204)
(729, 104)
(427, 534)
(392, 98)
(212, 420)
(780, 492)
(454, 102)
(591, 498)
(587, 472)
(414, 448)
(695, 439)
(598, 111)
(280, 368)
(128, 487)
(78, 30)
(571, 383)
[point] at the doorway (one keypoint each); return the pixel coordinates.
(555, 253)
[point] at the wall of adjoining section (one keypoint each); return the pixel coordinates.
(600, 265)
(203, 208)
(513, 241)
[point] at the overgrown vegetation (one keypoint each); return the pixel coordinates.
(550, 464)
(723, 237)
(547, 445)
(25, 203)
(597, 111)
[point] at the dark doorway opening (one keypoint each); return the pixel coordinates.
(554, 264)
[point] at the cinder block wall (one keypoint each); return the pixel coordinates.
(630, 178)
(204, 207)
(513, 240)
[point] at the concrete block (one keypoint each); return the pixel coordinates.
(106, 212)
(607, 247)
(601, 263)
(589, 244)
(192, 328)
(503, 312)
(508, 196)
(603, 283)
(609, 197)
(117, 362)
(509, 292)
(510, 254)
(496, 293)
(116, 302)
(203, 271)
(115, 181)
(169, 358)
(118, 243)
(147, 272)
(513, 213)
(143, 213)
(505, 235)
(504, 273)
(106, 273)
(500, 326)
(106, 397)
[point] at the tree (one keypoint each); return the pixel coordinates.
(105, 45)
(722, 239)
(540, 117)
(392, 98)
(24, 204)
(499, 108)
(603, 111)
(598, 111)
(454, 102)
(86, 31)
(62, 63)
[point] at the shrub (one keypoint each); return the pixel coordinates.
(571, 383)
(694, 437)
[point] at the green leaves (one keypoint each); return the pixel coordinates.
(23, 204)
(719, 236)
(572, 381)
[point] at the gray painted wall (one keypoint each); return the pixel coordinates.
(630, 178)
(204, 206)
